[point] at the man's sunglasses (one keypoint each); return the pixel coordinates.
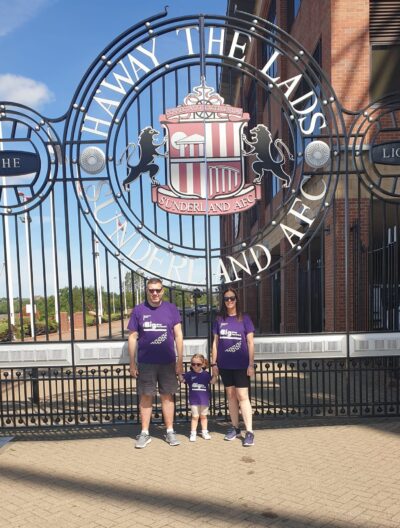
(230, 298)
(154, 290)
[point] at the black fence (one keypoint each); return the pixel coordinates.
(106, 394)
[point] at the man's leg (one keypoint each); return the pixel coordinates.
(168, 408)
(146, 407)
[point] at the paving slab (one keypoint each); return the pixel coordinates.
(336, 473)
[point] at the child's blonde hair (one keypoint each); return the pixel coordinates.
(202, 358)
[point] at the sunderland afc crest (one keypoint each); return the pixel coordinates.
(205, 147)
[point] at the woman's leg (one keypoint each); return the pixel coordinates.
(233, 405)
(242, 395)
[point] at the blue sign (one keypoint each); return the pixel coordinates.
(386, 153)
(18, 163)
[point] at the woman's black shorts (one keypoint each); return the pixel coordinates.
(235, 378)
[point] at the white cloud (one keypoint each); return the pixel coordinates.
(15, 13)
(18, 89)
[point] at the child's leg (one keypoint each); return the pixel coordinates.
(204, 422)
(195, 421)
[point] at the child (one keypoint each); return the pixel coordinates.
(198, 381)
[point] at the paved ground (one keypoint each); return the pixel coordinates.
(300, 473)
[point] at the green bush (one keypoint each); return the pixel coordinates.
(6, 332)
(40, 328)
(90, 320)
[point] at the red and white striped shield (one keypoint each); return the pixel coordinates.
(205, 145)
(205, 159)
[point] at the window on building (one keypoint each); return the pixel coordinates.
(294, 6)
(384, 34)
(269, 47)
(304, 88)
(385, 67)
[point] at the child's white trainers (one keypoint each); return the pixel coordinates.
(193, 436)
(206, 435)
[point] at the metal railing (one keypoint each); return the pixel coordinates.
(106, 394)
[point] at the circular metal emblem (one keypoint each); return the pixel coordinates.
(92, 160)
(317, 154)
(188, 161)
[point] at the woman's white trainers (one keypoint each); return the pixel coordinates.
(206, 435)
(193, 436)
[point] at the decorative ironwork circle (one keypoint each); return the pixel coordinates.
(29, 158)
(375, 148)
(188, 161)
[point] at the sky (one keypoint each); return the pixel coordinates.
(46, 46)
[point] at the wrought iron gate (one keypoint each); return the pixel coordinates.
(167, 164)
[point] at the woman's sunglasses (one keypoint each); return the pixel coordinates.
(232, 298)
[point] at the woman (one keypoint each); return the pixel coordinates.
(233, 359)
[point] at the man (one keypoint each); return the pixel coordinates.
(155, 326)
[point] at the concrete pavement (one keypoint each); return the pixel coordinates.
(336, 473)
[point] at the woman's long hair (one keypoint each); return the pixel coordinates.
(223, 312)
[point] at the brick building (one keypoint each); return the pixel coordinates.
(346, 277)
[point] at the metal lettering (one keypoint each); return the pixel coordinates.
(106, 104)
(303, 98)
(269, 64)
(313, 123)
(245, 267)
(288, 230)
(211, 40)
(308, 196)
(255, 257)
(173, 269)
(188, 37)
(119, 79)
(300, 214)
(235, 46)
(99, 122)
(291, 84)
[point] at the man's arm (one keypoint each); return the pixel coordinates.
(132, 348)
(179, 349)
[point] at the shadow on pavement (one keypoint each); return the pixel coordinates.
(166, 501)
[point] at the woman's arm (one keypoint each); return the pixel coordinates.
(214, 357)
(250, 346)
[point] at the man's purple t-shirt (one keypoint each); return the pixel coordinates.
(233, 352)
(198, 382)
(155, 328)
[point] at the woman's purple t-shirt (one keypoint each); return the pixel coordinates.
(198, 383)
(233, 352)
(155, 328)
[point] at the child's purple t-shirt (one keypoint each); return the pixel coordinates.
(198, 383)
(155, 327)
(233, 352)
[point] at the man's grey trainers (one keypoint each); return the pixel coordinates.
(248, 439)
(142, 440)
(232, 433)
(171, 439)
